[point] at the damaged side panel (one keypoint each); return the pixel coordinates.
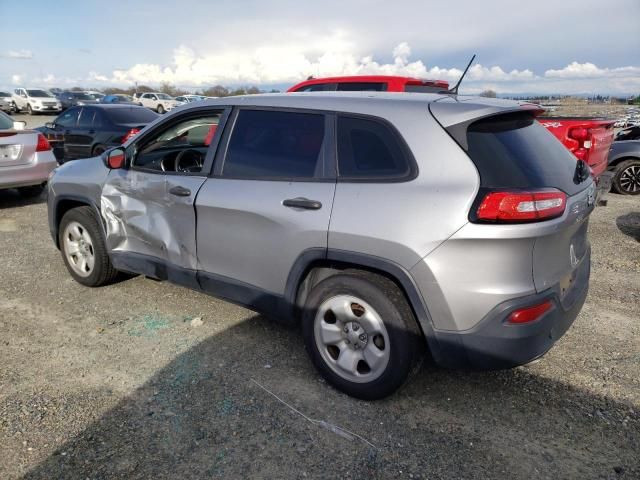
(142, 216)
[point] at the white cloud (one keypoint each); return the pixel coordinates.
(589, 70)
(19, 54)
(16, 79)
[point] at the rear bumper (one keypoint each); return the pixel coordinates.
(34, 173)
(495, 344)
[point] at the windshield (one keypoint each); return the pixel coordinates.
(164, 96)
(38, 93)
(134, 114)
(6, 122)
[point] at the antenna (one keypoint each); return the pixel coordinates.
(454, 90)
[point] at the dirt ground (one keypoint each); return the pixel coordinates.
(122, 382)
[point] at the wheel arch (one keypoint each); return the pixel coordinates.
(623, 158)
(315, 265)
(65, 203)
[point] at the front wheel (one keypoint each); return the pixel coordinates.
(29, 109)
(361, 335)
(160, 109)
(83, 248)
(627, 177)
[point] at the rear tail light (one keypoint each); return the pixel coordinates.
(520, 207)
(43, 144)
(529, 314)
(580, 141)
(131, 133)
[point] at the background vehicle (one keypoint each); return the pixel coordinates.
(325, 207)
(378, 83)
(26, 158)
(119, 98)
(632, 133)
(6, 102)
(73, 99)
(160, 102)
(182, 99)
(624, 163)
(588, 139)
(35, 100)
(87, 131)
(95, 95)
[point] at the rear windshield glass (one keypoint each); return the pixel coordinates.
(362, 87)
(515, 151)
(131, 115)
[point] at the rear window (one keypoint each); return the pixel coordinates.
(370, 149)
(423, 89)
(362, 87)
(272, 144)
(515, 151)
(131, 115)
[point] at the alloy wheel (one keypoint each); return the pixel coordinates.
(630, 179)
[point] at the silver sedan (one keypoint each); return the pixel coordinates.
(26, 158)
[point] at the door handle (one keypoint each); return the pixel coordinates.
(180, 191)
(301, 202)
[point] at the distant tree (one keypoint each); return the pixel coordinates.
(488, 94)
(217, 91)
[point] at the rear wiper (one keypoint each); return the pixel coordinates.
(581, 173)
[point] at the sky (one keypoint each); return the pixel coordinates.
(542, 46)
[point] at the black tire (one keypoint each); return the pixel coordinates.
(406, 344)
(98, 150)
(627, 177)
(160, 109)
(103, 272)
(31, 191)
(29, 109)
(15, 108)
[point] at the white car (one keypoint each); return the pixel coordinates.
(184, 99)
(26, 158)
(160, 102)
(35, 100)
(6, 102)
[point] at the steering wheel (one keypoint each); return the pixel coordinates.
(192, 162)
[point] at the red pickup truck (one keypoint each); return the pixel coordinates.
(372, 83)
(589, 139)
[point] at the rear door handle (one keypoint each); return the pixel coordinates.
(180, 191)
(301, 202)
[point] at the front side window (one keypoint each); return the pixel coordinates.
(69, 118)
(181, 147)
(369, 149)
(274, 144)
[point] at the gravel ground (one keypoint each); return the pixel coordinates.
(143, 379)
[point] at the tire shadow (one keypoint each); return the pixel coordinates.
(629, 224)
(201, 416)
(12, 199)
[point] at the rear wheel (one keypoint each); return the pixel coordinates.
(83, 248)
(160, 109)
(31, 191)
(361, 335)
(627, 177)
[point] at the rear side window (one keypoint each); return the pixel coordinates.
(362, 87)
(128, 115)
(515, 151)
(85, 119)
(273, 144)
(370, 149)
(318, 87)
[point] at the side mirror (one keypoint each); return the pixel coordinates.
(50, 125)
(19, 125)
(114, 158)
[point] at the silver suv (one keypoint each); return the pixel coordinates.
(386, 225)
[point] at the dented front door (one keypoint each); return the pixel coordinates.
(152, 214)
